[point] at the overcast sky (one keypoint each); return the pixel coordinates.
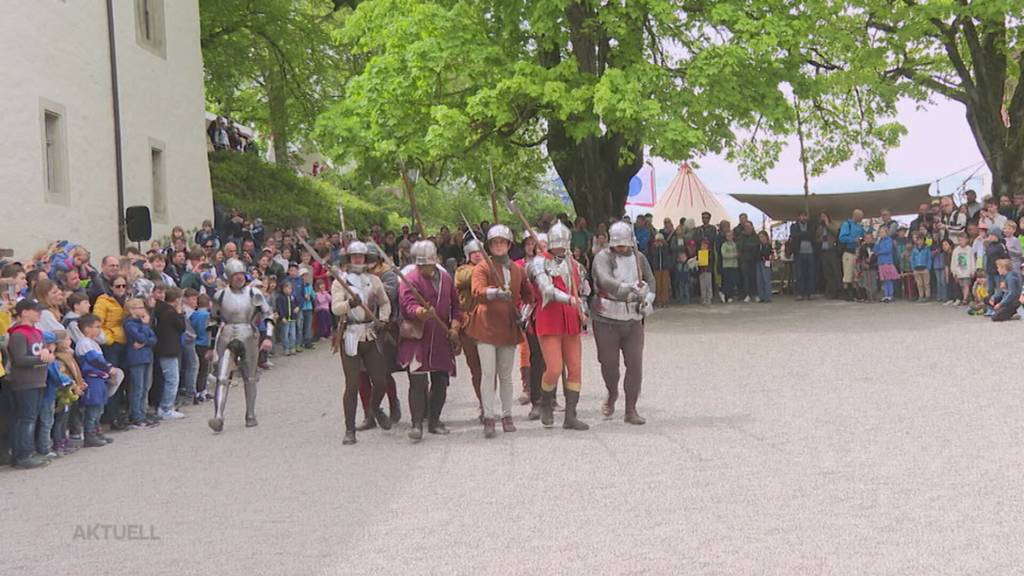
(938, 142)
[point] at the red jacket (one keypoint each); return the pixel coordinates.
(557, 318)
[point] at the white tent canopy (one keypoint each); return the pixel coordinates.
(687, 197)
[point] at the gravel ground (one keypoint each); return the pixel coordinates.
(824, 438)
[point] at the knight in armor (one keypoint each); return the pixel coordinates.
(498, 292)
(388, 346)
(624, 286)
(427, 348)
(558, 321)
(464, 284)
(238, 309)
(360, 332)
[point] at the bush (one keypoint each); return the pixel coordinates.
(283, 199)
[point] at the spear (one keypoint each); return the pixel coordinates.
(487, 257)
(494, 195)
(526, 224)
(340, 278)
(415, 292)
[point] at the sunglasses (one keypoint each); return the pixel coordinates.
(120, 285)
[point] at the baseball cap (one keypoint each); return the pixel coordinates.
(28, 304)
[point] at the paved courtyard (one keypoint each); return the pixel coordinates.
(827, 438)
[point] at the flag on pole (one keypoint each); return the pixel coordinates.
(641, 188)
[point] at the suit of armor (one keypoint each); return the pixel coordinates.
(238, 340)
(558, 322)
(623, 282)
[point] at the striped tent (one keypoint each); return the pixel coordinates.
(686, 196)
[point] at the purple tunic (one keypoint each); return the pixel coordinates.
(432, 353)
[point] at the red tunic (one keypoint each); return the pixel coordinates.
(557, 318)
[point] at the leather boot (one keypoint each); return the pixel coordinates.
(395, 409)
(416, 434)
(524, 396)
(250, 422)
(382, 419)
(437, 427)
(507, 425)
(633, 418)
(350, 438)
(608, 406)
(547, 414)
(368, 423)
(216, 424)
(534, 412)
(489, 431)
(572, 398)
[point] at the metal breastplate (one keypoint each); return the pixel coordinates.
(360, 284)
(622, 270)
(237, 307)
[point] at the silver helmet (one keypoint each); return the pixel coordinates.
(499, 231)
(232, 267)
(357, 247)
(372, 253)
(620, 234)
(559, 236)
(472, 246)
(424, 252)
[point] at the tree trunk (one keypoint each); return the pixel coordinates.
(277, 118)
(591, 171)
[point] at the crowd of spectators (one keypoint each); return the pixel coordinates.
(128, 344)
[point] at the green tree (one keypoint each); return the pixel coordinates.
(453, 86)
(271, 63)
(970, 52)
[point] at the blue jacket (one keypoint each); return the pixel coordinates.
(850, 234)
(54, 380)
(884, 251)
(643, 238)
(308, 297)
(938, 260)
(95, 372)
(137, 332)
(1011, 295)
(921, 258)
(200, 320)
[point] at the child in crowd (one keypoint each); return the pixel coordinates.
(287, 311)
(79, 306)
(764, 267)
(885, 259)
(54, 382)
(308, 303)
(704, 269)
(947, 292)
(962, 267)
(102, 379)
(324, 320)
(995, 250)
(730, 267)
(169, 326)
(939, 270)
(681, 272)
(67, 398)
(25, 383)
(1013, 247)
(921, 263)
(867, 269)
(189, 357)
(1006, 300)
(139, 361)
(661, 265)
(200, 322)
(980, 291)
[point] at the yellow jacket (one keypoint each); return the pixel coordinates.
(5, 324)
(111, 316)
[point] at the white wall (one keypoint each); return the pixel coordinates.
(162, 100)
(57, 50)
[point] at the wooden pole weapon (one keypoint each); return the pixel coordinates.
(415, 292)
(526, 224)
(487, 256)
(494, 196)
